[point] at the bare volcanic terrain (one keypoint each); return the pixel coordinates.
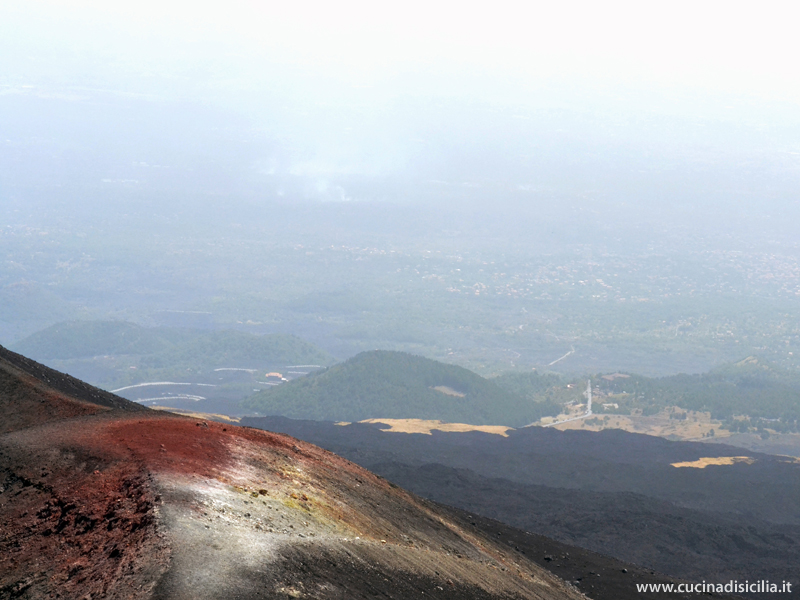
(691, 510)
(32, 394)
(100, 498)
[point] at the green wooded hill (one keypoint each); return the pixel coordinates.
(399, 386)
(746, 395)
(242, 349)
(531, 384)
(160, 353)
(83, 339)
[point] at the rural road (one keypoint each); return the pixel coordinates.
(572, 351)
(588, 412)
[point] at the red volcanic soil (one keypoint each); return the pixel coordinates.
(75, 511)
(73, 520)
(78, 500)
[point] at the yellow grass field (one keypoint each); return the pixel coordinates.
(696, 426)
(423, 426)
(702, 463)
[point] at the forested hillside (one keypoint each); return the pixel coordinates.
(747, 395)
(117, 353)
(401, 386)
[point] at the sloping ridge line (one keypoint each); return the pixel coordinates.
(66, 384)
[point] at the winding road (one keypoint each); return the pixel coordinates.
(572, 351)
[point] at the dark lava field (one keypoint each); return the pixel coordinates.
(612, 492)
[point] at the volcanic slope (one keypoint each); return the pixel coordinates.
(638, 498)
(106, 499)
(32, 394)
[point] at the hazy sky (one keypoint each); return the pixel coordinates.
(530, 94)
(728, 47)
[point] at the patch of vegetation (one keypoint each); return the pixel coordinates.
(750, 395)
(401, 386)
(532, 384)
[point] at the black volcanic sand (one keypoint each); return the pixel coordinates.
(612, 492)
(639, 530)
(605, 461)
(598, 576)
(315, 572)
